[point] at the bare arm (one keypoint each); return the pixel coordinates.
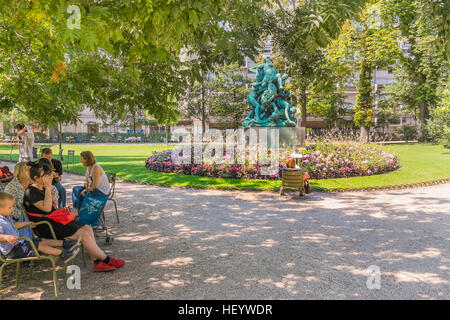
(86, 183)
(96, 178)
(22, 133)
(19, 225)
(8, 238)
(46, 204)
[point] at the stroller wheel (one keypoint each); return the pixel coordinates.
(109, 240)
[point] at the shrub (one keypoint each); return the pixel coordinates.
(157, 137)
(40, 137)
(406, 133)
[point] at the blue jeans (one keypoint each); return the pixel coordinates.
(62, 194)
(77, 197)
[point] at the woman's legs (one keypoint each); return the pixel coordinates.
(88, 241)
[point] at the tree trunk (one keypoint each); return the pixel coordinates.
(303, 102)
(203, 105)
(424, 116)
(364, 99)
(60, 142)
(364, 134)
(167, 134)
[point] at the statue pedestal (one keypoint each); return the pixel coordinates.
(292, 136)
(287, 136)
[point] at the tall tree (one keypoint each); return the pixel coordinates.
(365, 45)
(37, 37)
(230, 90)
(301, 30)
(421, 69)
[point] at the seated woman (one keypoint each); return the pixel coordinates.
(290, 164)
(38, 200)
(95, 180)
(19, 183)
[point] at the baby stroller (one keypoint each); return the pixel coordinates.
(91, 212)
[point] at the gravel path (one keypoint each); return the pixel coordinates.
(204, 244)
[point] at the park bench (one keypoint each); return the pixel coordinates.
(69, 139)
(133, 139)
(79, 139)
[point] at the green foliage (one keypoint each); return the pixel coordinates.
(310, 25)
(331, 107)
(40, 137)
(438, 128)
(420, 73)
(300, 34)
(124, 57)
(406, 133)
(362, 46)
(230, 93)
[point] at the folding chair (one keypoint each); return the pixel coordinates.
(92, 213)
(70, 155)
(38, 256)
(292, 178)
(112, 186)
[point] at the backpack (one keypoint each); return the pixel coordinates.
(5, 174)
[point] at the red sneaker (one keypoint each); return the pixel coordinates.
(101, 266)
(115, 262)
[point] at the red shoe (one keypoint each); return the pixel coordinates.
(101, 266)
(115, 262)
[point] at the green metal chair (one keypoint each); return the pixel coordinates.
(54, 237)
(53, 259)
(70, 158)
(112, 183)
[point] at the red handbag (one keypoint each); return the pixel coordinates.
(62, 216)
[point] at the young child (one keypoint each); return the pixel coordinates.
(14, 248)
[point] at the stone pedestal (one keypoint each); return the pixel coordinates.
(287, 136)
(292, 136)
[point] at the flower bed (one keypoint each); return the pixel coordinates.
(320, 160)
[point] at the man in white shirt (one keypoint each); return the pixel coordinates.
(27, 142)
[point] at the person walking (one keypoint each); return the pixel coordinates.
(26, 144)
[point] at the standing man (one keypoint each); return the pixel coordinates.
(57, 165)
(26, 138)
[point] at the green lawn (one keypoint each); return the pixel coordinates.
(418, 163)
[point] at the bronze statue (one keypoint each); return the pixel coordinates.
(268, 99)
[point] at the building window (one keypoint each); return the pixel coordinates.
(92, 128)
